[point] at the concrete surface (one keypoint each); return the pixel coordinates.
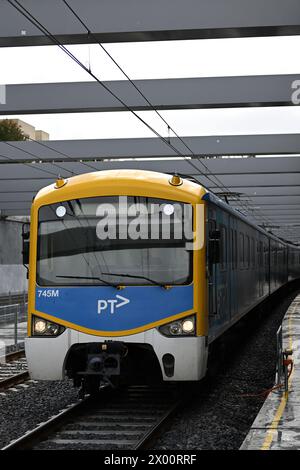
(277, 426)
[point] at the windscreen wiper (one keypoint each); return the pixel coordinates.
(138, 277)
(91, 279)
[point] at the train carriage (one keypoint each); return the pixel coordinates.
(133, 274)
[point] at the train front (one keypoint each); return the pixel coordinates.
(117, 280)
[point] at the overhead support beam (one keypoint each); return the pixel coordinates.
(245, 179)
(141, 20)
(178, 93)
(266, 189)
(247, 175)
(206, 146)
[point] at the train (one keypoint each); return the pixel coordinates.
(133, 275)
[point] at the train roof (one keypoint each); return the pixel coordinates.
(211, 197)
(129, 180)
(124, 182)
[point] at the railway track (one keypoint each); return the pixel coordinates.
(13, 370)
(128, 419)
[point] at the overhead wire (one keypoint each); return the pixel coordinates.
(59, 152)
(30, 165)
(38, 158)
(34, 21)
(93, 36)
(30, 17)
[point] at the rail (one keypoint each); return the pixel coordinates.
(125, 419)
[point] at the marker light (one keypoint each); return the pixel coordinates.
(61, 211)
(182, 327)
(168, 209)
(42, 327)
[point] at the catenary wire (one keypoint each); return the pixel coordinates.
(60, 153)
(38, 158)
(42, 28)
(30, 165)
(34, 21)
(92, 35)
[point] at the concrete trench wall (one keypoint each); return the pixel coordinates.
(12, 272)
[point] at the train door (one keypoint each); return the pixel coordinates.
(223, 271)
(267, 268)
(218, 274)
(212, 258)
(261, 267)
(232, 267)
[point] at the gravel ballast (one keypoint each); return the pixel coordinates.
(24, 409)
(219, 416)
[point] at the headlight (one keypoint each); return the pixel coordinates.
(42, 327)
(182, 327)
(188, 326)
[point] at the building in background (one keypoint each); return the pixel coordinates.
(31, 131)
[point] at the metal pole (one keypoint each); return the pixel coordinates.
(24, 303)
(16, 327)
(279, 356)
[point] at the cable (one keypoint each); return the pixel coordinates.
(265, 393)
(21, 9)
(38, 158)
(37, 24)
(90, 33)
(30, 165)
(60, 153)
(24, 12)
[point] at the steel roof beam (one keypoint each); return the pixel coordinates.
(174, 93)
(141, 20)
(209, 146)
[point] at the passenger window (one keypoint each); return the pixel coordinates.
(235, 250)
(232, 248)
(266, 255)
(252, 252)
(223, 247)
(260, 253)
(242, 250)
(247, 252)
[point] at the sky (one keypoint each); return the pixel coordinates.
(169, 59)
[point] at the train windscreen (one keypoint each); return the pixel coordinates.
(115, 240)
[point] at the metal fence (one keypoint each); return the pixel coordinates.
(13, 319)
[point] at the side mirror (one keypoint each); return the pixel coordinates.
(25, 238)
(214, 246)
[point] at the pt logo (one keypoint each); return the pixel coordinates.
(112, 304)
